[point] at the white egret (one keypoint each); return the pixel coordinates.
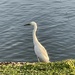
(40, 51)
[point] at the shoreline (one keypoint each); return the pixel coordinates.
(64, 67)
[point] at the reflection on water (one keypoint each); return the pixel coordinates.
(56, 29)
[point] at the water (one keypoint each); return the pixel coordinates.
(56, 29)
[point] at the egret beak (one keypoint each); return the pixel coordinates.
(27, 24)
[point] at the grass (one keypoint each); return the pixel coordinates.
(66, 67)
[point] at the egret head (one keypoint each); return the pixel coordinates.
(31, 23)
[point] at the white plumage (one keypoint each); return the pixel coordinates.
(40, 51)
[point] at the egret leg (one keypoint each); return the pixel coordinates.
(38, 59)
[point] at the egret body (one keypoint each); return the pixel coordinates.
(40, 51)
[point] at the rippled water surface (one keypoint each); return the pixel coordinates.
(56, 29)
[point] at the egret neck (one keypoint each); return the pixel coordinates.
(35, 40)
